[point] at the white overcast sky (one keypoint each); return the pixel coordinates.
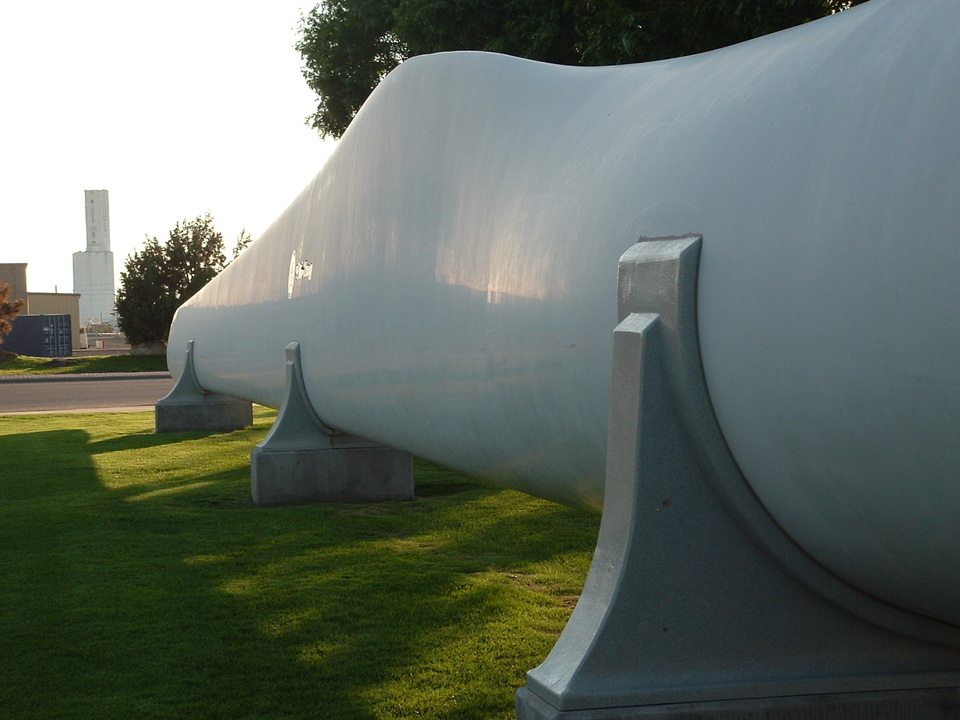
(177, 108)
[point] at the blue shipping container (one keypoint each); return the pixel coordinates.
(40, 336)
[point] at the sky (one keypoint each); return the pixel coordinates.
(176, 108)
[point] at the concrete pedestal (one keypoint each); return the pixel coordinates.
(352, 474)
(189, 407)
(303, 460)
(939, 704)
(697, 605)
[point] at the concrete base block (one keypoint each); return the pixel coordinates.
(190, 407)
(212, 414)
(337, 475)
(930, 704)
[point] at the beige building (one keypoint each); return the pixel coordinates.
(15, 275)
(58, 304)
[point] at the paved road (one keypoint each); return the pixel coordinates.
(115, 392)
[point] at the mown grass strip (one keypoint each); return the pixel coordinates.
(138, 580)
(27, 365)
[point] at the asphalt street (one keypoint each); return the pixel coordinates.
(116, 392)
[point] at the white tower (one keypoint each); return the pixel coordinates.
(93, 267)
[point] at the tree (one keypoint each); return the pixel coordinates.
(348, 46)
(9, 309)
(161, 277)
(243, 241)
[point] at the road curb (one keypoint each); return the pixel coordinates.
(66, 377)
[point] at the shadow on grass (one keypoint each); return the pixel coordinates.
(39, 463)
(143, 440)
(161, 594)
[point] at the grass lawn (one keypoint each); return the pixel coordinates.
(139, 581)
(26, 365)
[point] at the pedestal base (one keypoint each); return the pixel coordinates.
(212, 414)
(332, 475)
(935, 704)
(190, 407)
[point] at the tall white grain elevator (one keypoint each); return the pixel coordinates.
(93, 267)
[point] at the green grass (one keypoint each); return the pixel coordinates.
(26, 365)
(139, 581)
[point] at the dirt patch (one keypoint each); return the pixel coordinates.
(7, 356)
(61, 362)
(149, 348)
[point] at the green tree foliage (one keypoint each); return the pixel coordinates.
(9, 309)
(347, 46)
(161, 277)
(243, 241)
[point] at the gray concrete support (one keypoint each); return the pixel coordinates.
(190, 407)
(303, 460)
(697, 606)
(903, 705)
